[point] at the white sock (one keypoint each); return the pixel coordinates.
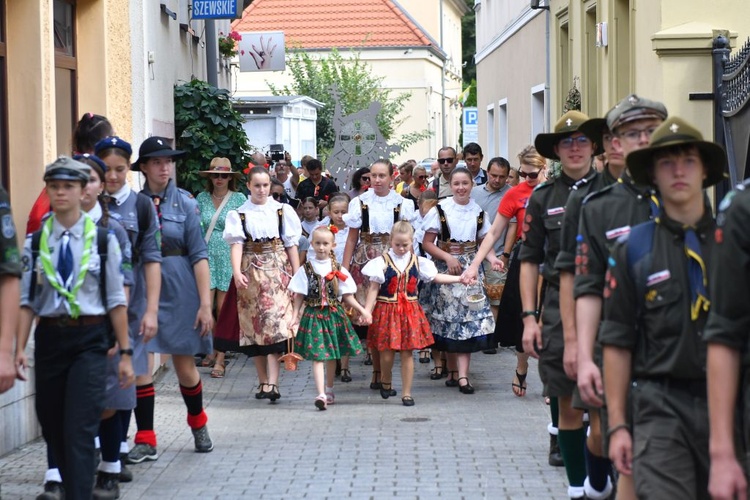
(124, 448)
(52, 475)
(329, 389)
(552, 429)
(110, 467)
(594, 494)
(575, 491)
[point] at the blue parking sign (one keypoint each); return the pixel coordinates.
(471, 116)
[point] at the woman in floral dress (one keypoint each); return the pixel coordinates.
(370, 218)
(263, 236)
(453, 230)
(220, 196)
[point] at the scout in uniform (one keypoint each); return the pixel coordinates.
(541, 244)
(727, 359)
(605, 216)
(79, 297)
(10, 272)
(136, 213)
(655, 309)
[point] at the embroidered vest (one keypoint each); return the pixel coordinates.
(399, 283)
(315, 284)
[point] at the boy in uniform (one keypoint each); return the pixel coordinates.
(655, 309)
(78, 295)
(541, 244)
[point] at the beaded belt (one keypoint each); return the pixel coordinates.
(455, 248)
(259, 246)
(375, 238)
(67, 321)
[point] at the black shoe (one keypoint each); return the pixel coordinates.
(466, 388)
(407, 401)
(424, 356)
(261, 394)
(555, 457)
(274, 393)
(126, 475)
(490, 351)
(346, 375)
(52, 491)
(451, 382)
(368, 359)
(375, 385)
(437, 373)
(385, 390)
(107, 486)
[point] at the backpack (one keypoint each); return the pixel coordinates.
(101, 245)
(143, 209)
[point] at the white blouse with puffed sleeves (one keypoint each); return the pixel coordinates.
(461, 219)
(375, 269)
(299, 283)
(262, 221)
(380, 209)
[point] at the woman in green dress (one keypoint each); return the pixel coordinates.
(215, 202)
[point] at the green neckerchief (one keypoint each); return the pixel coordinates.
(89, 231)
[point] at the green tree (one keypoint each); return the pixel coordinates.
(313, 76)
(468, 47)
(206, 126)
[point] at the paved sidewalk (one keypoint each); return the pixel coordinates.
(487, 445)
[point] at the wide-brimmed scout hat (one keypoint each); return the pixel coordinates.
(220, 165)
(67, 169)
(154, 147)
(567, 125)
(675, 132)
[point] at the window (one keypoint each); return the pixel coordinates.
(490, 131)
(502, 128)
(65, 73)
(591, 78)
(622, 71)
(563, 61)
(537, 111)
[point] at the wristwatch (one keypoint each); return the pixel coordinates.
(528, 313)
(506, 255)
(128, 352)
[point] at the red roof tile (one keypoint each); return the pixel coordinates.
(324, 24)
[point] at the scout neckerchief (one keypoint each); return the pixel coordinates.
(696, 275)
(54, 278)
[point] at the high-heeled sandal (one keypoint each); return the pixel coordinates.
(261, 394)
(452, 382)
(385, 392)
(467, 388)
(274, 393)
(375, 384)
(437, 373)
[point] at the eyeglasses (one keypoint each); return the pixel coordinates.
(634, 135)
(421, 177)
(568, 142)
(276, 196)
(365, 179)
(530, 175)
(445, 160)
(220, 176)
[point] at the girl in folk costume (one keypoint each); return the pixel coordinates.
(398, 321)
(309, 216)
(263, 236)
(338, 206)
(453, 230)
(325, 333)
(370, 218)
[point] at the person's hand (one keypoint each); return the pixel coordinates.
(504, 261)
(322, 204)
(204, 319)
(621, 451)
(365, 318)
(590, 383)
(149, 326)
(262, 56)
(726, 480)
(497, 264)
(22, 363)
(125, 370)
(532, 337)
(570, 359)
(7, 371)
(469, 275)
(112, 350)
(240, 281)
(454, 266)
(287, 157)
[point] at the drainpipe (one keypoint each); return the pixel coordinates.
(212, 50)
(442, 78)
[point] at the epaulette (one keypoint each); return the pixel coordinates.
(185, 193)
(600, 192)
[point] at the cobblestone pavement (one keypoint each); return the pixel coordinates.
(487, 445)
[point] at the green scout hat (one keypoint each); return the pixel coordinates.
(672, 132)
(67, 169)
(567, 125)
(634, 108)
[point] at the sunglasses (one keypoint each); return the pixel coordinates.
(568, 142)
(445, 160)
(530, 175)
(220, 176)
(421, 177)
(276, 196)
(365, 179)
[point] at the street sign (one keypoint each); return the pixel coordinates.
(470, 125)
(216, 9)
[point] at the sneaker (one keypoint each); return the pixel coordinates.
(320, 402)
(141, 452)
(330, 398)
(107, 486)
(126, 475)
(53, 490)
(203, 443)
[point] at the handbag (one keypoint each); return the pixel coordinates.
(291, 358)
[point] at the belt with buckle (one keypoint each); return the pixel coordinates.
(67, 321)
(695, 387)
(264, 245)
(456, 248)
(375, 238)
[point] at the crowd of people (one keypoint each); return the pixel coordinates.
(608, 272)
